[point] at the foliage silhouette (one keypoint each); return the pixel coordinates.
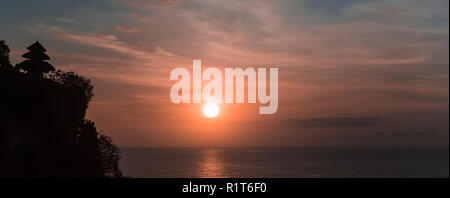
(4, 55)
(43, 130)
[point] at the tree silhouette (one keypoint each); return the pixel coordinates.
(36, 64)
(4, 55)
(43, 130)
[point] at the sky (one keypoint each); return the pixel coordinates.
(368, 73)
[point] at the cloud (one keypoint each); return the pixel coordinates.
(333, 122)
(147, 4)
(130, 99)
(106, 56)
(105, 41)
(113, 90)
(66, 20)
(127, 30)
(362, 57)
(403, 95)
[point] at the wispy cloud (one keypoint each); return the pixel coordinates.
(333, 122)
(363, 57)
(127, 30)
(106, 41)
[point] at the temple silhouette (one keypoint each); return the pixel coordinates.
(43, 129)
(36, 63)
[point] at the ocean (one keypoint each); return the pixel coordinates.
(284, 162)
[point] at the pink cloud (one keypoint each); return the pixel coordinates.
(127, 30)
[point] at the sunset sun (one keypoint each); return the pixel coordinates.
(211, 110)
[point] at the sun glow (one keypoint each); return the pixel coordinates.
(211, 110)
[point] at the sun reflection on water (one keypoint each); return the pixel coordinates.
(211, 165)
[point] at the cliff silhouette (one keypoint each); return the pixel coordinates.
(43, 129)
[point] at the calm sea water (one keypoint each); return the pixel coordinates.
(285, 162)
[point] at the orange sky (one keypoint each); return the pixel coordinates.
(351, 73)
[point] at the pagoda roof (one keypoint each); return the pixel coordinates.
(36, 55)
(35, 66)
(36, 47)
